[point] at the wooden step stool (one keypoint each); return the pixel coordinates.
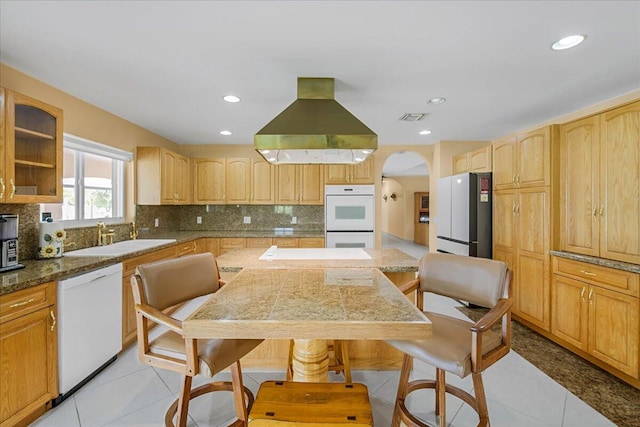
(296, 404)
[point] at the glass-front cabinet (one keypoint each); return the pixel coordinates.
(31, 150)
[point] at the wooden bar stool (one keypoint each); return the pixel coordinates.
(339, 363)
(288, 403)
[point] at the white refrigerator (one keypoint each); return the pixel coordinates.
(464, 215)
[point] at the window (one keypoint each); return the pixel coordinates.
(92, 183)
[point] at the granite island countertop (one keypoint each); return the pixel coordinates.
(386, 260)
(38, 271)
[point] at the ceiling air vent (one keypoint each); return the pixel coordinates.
(412, 117)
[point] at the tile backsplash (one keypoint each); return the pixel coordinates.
(178, 218)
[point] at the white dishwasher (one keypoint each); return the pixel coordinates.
(89, 326)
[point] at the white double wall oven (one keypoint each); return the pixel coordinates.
(349, 216)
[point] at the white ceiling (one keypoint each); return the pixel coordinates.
(165, 65)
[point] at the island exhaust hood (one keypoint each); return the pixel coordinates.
(315, 129)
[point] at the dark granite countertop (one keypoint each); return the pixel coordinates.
(38, 271)
(618, 265)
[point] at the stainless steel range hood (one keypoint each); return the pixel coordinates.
(315, 129)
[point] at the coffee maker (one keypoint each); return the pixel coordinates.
(9, 242)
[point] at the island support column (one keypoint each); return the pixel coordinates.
(310, 360)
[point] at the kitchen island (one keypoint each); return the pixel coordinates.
(364, 354)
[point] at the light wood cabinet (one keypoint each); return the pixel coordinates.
(259, 242)
(238, 181)
(28, 354)
(162, 177)
(30, 150)
(196, 246)
(474, 161)
(590, 315)
(263, 179)
(361, 173)
(311, 242)
(420, 209)
(524, 161)
(521, 238)
(600, 185)
(249, 181)
(212, 244)
(300, 185)
(129, 326)
(209, 176)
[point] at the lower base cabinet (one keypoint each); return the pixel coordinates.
(129, 326)
(28, 354)
(596, 310)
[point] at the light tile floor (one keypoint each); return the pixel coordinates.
(128, 393)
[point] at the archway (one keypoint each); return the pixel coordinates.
(404, 174)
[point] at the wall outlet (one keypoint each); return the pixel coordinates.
(247, 220)
(294, 220)
(198, 220)
(156, 222)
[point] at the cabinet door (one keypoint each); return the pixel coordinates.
(209, 181)
(129, 326)
(263, 181)
(33, 151)
(534, 158)
(287, 182)
(569, 311)
(182, 180)
(28, 363)
(613, 329)
(480, 160)
(363, 173)
(167, 177)
(311, 184)
(337, 174)
(460, 163)
(238, 181)
(620, 184)
(504, 206)
(504, 160)
(533, 264)
(579, 160)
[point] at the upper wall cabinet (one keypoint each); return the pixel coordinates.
(31, 150)
(249, 181)
(162, 177)
(474, 161)
(361, 173)
(300, 184)
(600, 185)
(524, 161)
(209, 181)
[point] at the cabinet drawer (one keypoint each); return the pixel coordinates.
(129, 266)
(285, 242)
(256, 242)
(311, 242)
(610, 278)
(186, 248)
(233, 243)
(19, 303)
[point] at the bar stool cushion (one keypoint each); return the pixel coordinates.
(449, 347)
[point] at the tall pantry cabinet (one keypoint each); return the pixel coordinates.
(522, 177)
(599, 176)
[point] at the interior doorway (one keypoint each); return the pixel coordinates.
(405, 177)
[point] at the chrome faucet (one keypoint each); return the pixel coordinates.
(134, 232)
(100, 233)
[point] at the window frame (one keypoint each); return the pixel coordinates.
(121, 157)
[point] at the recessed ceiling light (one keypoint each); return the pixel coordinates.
(437, 100)
(231, 98)
(568, 42)
(225, 132)
(425, 132)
